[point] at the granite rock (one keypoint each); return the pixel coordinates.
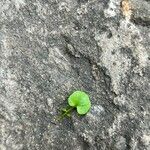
(49, 48)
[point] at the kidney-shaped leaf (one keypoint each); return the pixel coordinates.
(80, 100)
(83, 109)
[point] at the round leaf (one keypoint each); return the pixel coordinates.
(83, 109)
(78, 98)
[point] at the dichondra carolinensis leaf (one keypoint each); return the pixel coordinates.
(81, 101)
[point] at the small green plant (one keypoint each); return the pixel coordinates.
(78, 100)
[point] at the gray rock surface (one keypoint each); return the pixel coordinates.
(49, 48)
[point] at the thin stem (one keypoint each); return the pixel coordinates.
(64, 114)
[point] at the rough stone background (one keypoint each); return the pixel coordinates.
(49, 48)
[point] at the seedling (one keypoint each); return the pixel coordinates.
(78, 100)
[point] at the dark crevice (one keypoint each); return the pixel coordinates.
(141, 21)
(128, 140)
(82, 1)
(84, 142)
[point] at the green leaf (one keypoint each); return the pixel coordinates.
(80, 100)
(83, 109)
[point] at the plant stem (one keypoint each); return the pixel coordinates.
(64, 114)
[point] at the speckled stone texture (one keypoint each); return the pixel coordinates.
(49, 48)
